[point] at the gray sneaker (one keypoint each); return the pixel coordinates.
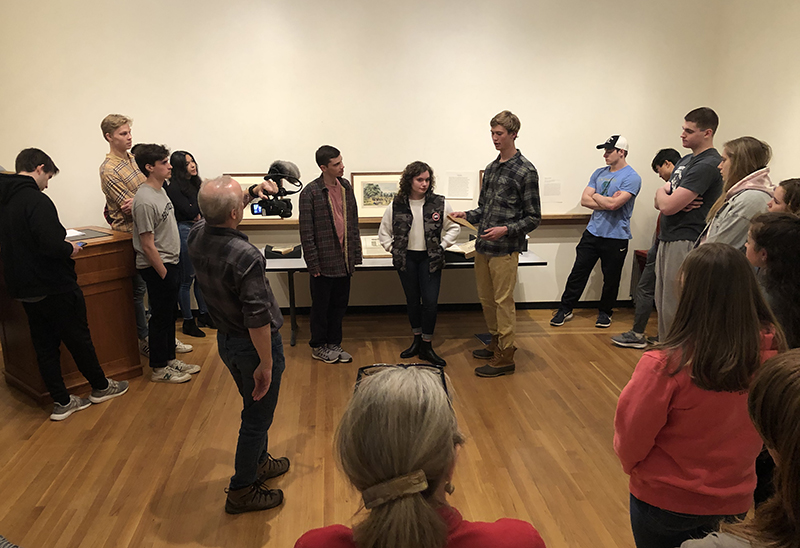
(61, 412)
(629, 339)
(184, 367)
(325, 354)
(170, 375)
(115, 388)
(344, 357)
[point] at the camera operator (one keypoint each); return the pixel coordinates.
(230, 271)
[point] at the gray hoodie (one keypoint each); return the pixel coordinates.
(746, 199)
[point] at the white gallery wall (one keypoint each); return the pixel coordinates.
(241, 83)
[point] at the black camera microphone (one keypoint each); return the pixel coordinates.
(283, 169)
(279, 171)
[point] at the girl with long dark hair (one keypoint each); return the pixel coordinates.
(182, 191)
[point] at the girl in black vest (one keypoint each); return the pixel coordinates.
(416, 230)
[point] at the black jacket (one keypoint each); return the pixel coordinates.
(36, 258)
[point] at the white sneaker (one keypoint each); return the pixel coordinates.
(182, 348)
(169, 374)
(184, 367)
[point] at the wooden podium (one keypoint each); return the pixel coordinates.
(104, 267)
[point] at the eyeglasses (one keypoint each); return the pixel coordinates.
(378, 367)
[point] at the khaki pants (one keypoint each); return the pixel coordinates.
(496, 278)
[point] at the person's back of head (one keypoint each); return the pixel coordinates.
(774, 405)
(29, 159)
(777, 235)
(218, 198)
(704, 118)
(399, 427)
(721, 313)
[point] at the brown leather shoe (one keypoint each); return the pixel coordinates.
(271, 468)
(488, 351)
(501, 364)
(252, 498)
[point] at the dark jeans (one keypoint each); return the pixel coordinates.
(60, 318)
(646, 291)
(611, 253)
(329, 298)
(187, 277)
(139, 290)
(241, 358)
(656, 528)
(163, 294)
(422, 291)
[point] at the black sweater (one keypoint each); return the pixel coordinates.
(183, 195)
(36, 257)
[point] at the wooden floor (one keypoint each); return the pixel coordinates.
(150, 468)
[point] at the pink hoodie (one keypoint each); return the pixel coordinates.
(686, 449)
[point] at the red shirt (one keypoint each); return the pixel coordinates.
(686, 449)
(503, 533)
(337, 208)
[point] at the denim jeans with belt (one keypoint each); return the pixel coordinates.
(241, 359)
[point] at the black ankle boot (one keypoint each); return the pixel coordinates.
(204, 320)
(427, 354)
(191, 329)
(412, 350)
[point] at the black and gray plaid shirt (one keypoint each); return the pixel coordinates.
(230, 271)
(509, 197)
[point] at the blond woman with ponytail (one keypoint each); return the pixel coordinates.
(397, 443)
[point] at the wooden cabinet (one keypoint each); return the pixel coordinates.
(104, 267)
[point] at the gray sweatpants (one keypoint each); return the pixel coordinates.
(669, 258)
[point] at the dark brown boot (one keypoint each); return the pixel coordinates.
(252, 498)
(271, 468)
(488, 351)
(501, 364)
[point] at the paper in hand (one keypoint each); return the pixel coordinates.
(463, 222)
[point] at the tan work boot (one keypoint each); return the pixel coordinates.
(501, 364)
(488, 351)
(252, 498)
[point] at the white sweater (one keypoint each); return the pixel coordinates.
(416, 236)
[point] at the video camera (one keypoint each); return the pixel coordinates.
(277, 205)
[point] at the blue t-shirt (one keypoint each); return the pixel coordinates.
(614, 224)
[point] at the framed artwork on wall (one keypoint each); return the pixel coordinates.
(374, 191)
